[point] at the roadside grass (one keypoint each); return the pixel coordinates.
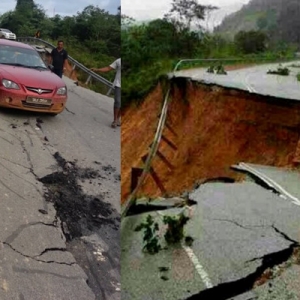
(298, 76)
(136, 85)
(280, 71)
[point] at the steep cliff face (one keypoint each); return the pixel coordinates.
(278, 17)
(213, 129)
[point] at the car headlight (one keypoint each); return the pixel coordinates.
(62, 91)
(10, 84)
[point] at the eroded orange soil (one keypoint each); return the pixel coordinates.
(215, 129)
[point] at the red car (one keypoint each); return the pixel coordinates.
(25, 81)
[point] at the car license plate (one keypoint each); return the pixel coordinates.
(38, 101)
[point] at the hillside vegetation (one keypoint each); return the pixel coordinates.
(279, 19)
(153, 48)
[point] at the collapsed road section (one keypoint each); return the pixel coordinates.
(211, 128)
(232, 157)
(239, 242)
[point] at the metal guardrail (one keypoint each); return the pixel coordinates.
(153, 149)
(75, 63)
(151, 155)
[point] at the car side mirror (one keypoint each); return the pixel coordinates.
(51, 67)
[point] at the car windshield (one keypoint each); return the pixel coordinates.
(16, 56)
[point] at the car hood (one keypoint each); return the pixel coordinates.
(31, 77)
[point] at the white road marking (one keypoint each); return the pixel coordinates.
(194, 259)
(250, 89)
(199, 268)
(271, 182)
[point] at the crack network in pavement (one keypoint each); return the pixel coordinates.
(249, 227)
(69, 111)
(228, 290)
(44, 251)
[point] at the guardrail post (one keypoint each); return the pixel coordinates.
(73, 68)
(109, 92)
(88, 80)
(135, 175)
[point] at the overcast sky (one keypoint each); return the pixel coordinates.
(151, 9)
(65, 7)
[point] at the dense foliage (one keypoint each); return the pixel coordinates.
(149, 50)
(153, 48)
(251, 41)
(92, 36)
(279, 19)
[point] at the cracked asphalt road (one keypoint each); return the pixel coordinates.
(37, 260)
(240, 230)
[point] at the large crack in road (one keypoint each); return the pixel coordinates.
(231, 289)
(261, 275)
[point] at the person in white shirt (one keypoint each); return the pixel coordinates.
(116, 65)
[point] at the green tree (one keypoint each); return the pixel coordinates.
(262, 22)
(185, 13)
(249, 42)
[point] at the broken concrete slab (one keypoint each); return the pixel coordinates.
(248, 229)
(284, 181)
(21, 202)
(32, 146)
(145, 204)
(237, 234)
(26, 278)
(248, 204)
(33, 259)
(45, 237)
(160, 201)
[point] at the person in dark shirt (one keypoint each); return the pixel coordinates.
(59, 58)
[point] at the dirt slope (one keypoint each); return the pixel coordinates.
(215, 129)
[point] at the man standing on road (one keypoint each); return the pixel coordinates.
(116, 65)
(59, 58)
